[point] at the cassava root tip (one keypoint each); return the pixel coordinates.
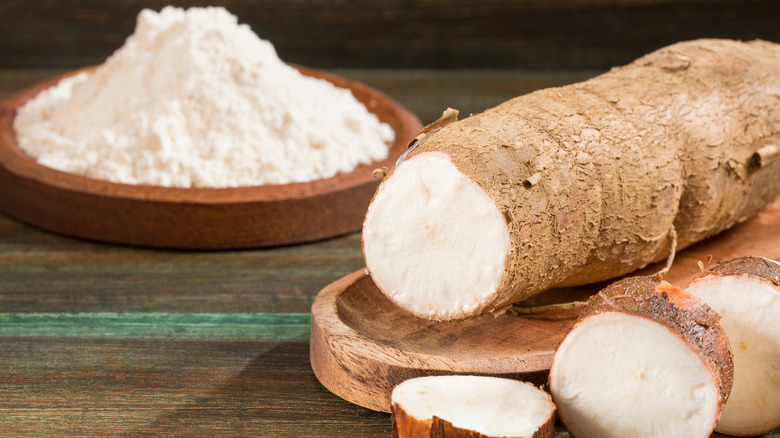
(380, 172)
(672, 252)
(448, 116)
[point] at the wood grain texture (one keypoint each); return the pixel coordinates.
(104, 375)
(244, 217)
(594, 34)
(45, 272)
(228, 375)
(362, 345)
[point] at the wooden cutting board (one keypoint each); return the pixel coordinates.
(362, 345)
(179, 218)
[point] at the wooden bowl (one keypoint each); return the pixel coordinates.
(179, 218)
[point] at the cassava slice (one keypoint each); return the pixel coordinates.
(746, 294)
(644, 360)
(471, 406)
(578, 184)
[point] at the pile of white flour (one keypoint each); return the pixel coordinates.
(193, 99)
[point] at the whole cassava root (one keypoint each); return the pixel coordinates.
(644, 359)
(578, 184)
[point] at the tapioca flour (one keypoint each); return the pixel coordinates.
(193, 99)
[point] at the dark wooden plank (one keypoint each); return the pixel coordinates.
(13, 81)
(277, 327)
(428, 93)
(43, 272)
(400, 33)
(115, 375)
(165, 388)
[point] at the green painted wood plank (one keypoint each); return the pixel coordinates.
(203, 326)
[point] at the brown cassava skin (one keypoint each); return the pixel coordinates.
(760, 267)
(406, 426)
(685, 315)
(592, 177)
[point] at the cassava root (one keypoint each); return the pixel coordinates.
(578, 184)
(471, 406)
(644, 360)
(746, 293)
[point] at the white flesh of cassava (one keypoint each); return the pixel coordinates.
(750, 313)
(434, 241)
(617, 375)
(489, 405)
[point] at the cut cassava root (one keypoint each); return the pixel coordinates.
(746, 293)
(579, 184)
(471, 406)
(645, 359)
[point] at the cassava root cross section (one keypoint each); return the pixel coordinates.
(471, 406)
(573, 185)
(644, 360)
(746, 294)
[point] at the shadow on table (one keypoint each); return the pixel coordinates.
(276, 394)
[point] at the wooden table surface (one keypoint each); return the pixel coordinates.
(104, 340)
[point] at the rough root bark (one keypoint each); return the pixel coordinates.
(592, 177)
(756, 266)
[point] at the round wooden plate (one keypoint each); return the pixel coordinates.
(179, 218)
(362, 345)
